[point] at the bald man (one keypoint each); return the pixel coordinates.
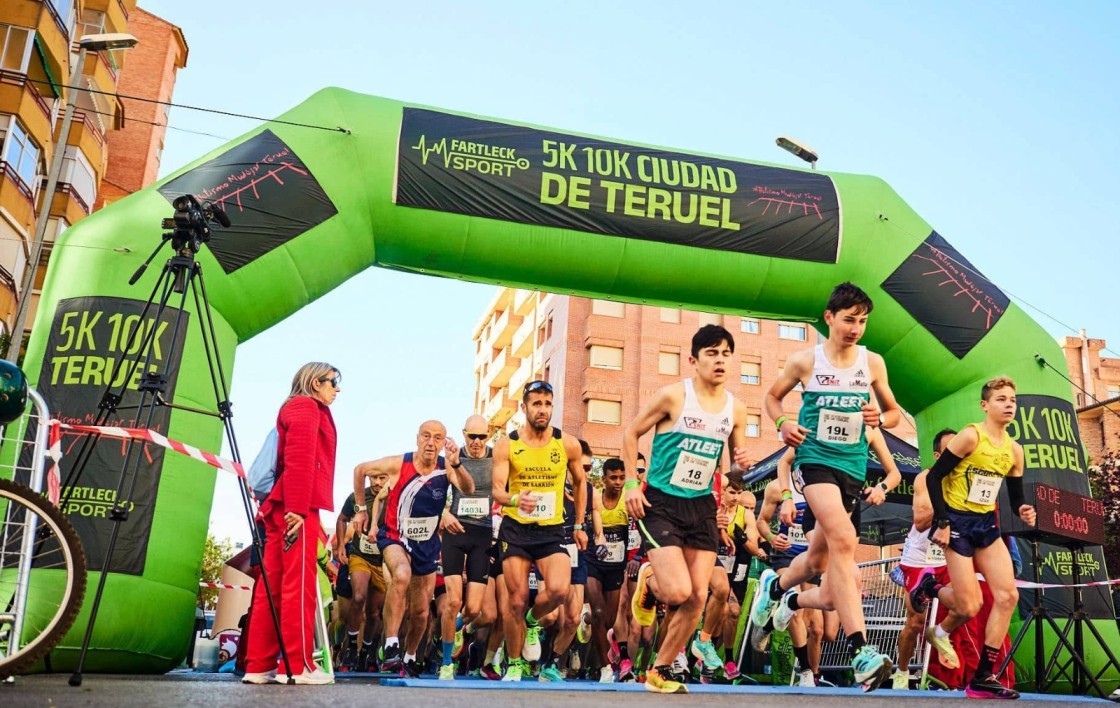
(467, 537)
(408, 511)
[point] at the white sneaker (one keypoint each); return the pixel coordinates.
(606, 675)
(782, 615)
(806, 680)
(680, 664)
(261, 678)
(318, 677)
(900, 681)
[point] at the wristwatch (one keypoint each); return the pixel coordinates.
(456, 465)
(941, 523)
(358, 507)
(884, 487)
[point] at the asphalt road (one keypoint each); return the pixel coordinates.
(222, 690)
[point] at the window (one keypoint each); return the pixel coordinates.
(609, 412)
(752, 373)
(92, 22)
(20, 151)
(748, 325)
(669, 314)
(711, 318)
(608, 308)
(606, 357)
(76, 172)
(754, 423)
(548, 327)
(64, 9)
(669, 364)
(786, 331)
(1113, 390)
(15, 48)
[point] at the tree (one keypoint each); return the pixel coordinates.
(1104, 482)
(214, 556)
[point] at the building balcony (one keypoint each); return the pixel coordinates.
(15, 196)
(21, 97)
(524, 374)
(499, 409)
(68, 204)
(524, 301)
(523, 339)
(501, 331)
(116, 13)
(501, 368)
(85, 134)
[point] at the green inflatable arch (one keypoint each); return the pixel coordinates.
(444, 194)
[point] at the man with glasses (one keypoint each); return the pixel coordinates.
(693, 421)
(466, 541)
(530, 468)
(408, 511)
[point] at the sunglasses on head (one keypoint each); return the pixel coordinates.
(477, 436)
(335, 380)
(538, 387)
(641, 470)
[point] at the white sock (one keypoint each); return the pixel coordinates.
(409, 657)
(939, 632)
(391, 642)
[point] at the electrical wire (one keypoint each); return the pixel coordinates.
(1042, 362)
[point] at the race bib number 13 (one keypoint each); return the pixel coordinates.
(984, 490)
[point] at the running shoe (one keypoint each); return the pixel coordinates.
(487, 672)
(531, 650)
(612, 647)
(782, 614)
(660, 679)
(946, 654)
(680, 669)
(447, 672)
(805, 679)
(412, 668)
(261, 678)
(625, 671)
(349, 656)
(989, 687)
(871, 668)
(763, 606)
(704, 651)
(551, 673)
(900, 681)
(606, 675)
(392, 663)
(644, 604)
(318, 677)
(365, 660)
(731, 671)
(923, 592)
(516, 669)
(760, 636)
(583, 632)
(457, 646)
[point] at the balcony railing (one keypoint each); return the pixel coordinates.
(15, 79)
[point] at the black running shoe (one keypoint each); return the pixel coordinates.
(989, 688)
(393, 664)
(365, 660)
(411, 669)
(923, 593)
(349, 656)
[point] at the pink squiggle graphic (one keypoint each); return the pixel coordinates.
(273, 173)
(981, 302)
(788, 204)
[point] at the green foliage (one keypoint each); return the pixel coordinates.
(214, 556)
(1104, 482)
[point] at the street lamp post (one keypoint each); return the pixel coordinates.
(798, 148)
(88, 43)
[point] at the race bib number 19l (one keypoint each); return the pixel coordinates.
(839, 428)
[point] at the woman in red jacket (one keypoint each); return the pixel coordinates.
(304, 485)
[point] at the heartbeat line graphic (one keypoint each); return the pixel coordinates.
(440, 148)
(274, 173)
(788, 205)
(964, 287)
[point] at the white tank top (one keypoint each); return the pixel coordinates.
(918, 552)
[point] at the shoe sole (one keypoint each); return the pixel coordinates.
(699, 656)
(757, 600)
(971, 693)
(949, 661)
(881, 675)
(681, 688)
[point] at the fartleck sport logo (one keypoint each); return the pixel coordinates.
(827, 380)
(694, 423)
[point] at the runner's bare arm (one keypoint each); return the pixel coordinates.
(499, 475)
(740, 455)
(887, 407)
(659, 408)
(386, 465)
(798, 366)
(579, 486)
(923, 511)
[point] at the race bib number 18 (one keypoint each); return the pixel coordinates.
(693, 472)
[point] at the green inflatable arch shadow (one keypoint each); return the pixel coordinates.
(456, 196)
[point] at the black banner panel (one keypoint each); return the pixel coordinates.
(526, 175)
(947, 295)
(93, 345)
(268, 193)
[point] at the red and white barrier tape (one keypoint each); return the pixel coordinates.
(54, 454)
(222, 586)
(1028, 585)
(151, 436)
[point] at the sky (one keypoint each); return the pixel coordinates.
(996, 122)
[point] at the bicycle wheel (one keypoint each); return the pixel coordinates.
(56, 584)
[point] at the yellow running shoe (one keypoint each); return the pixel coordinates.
(643, 604)
(946, 654)
(660, 679)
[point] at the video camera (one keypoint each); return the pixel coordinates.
(190, 226)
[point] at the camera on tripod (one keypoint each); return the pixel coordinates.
(190, 226)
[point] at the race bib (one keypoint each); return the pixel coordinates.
(741, 572)
(935, 555)
(839, 428)
(616, 552)
(533, 581)
(693, 472)
(496, 521)
(474, 507)
(420, 528)
(633, 540)
(796, 535)
(726, 562)
(573, 553)
(367, 546)
(545, 509)
(984, 490)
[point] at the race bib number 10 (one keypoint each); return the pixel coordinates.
(546, 507)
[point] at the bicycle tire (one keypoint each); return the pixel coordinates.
(53, 524)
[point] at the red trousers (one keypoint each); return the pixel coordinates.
(292, 577)
(968, 640)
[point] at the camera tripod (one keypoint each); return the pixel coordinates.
(181, 275)
(1075, 668)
